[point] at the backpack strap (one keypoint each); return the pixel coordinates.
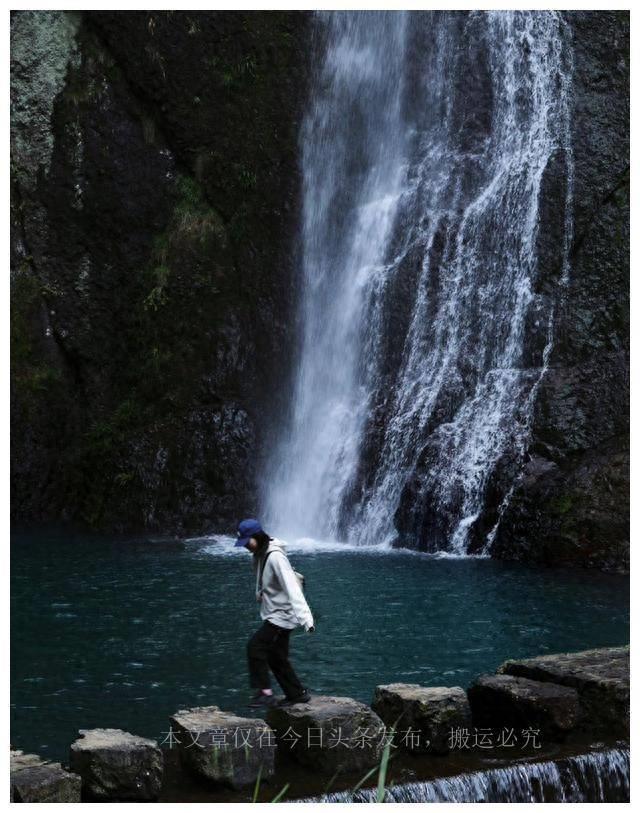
(264, 562)
(299, 576)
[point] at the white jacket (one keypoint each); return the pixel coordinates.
(283, 602)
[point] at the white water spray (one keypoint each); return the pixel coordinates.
(403, 187)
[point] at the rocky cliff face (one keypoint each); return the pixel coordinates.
(154, 200)
(571, 505)
(154, 187)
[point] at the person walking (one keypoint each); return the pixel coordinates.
(283, 607)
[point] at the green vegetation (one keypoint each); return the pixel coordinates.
(31, 373)
(281, 794)
(193, 225)
(381, 768)
(561, 504)
(157, 296)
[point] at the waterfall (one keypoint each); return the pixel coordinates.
(354, 143)
(600, 776)
(424, 326)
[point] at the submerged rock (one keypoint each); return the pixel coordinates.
(222, 747)
(329, 734)
(117, 765)
(35, 780)
(518, 702)
(432, 712)
(600, 677)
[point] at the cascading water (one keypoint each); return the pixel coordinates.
(353, 154)
(599, 776)
(424, 333)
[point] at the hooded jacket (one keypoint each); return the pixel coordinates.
(283, 602)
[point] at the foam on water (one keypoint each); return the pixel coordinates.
(221, 545)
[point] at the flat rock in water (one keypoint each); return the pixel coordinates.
(117, 765)
(329, 734)
(35, 780)
(430, 712)
(222, 747)
(600, 676)
(506, 701)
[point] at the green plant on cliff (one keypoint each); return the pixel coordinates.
(193, 217)
(561, 504)
(192, 223)
(158, 296)
(32, 375)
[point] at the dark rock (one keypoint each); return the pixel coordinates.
(329, 734)
(518, 702)
(116, 765)
(154, 201)
(431, 711)
(577, 512)
(154, 195)
(574, 513)
(223, 748)
(600, 677)
(35, 780)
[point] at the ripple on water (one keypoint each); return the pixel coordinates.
(385, 616)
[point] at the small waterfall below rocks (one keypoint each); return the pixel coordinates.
(601, 776)
(436, 224)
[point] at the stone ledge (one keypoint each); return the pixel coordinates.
(432, 711)
(117, 765)
(600, 676)
(335, 733)
(222, 747)
(35, 780)
(509, 701)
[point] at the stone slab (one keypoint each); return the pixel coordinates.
(117, 765)
(35, 780)
(431, 711)
(329, 734)
(600, 676)
(506, 701)
(222, 747)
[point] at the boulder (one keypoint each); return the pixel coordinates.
(600, 677)
(117, 765)
(222, 747)
(329, 734)
(35, 780)
(430, 711)
(520, 703)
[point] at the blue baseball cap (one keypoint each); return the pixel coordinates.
(246, 529)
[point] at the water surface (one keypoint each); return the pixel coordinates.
(124, 633)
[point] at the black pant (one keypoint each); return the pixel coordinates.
(268, 648)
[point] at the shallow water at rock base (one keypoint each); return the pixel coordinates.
(124, 633)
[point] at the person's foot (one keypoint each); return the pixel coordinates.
(291, 701)
(262, 700)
